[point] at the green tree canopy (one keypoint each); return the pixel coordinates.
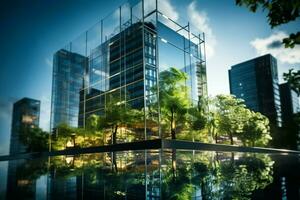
(117, 114)
(34, 138)
(256, 130)
(174, 99)
(231, 115)
(293, 78)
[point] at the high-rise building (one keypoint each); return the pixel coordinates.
(256, 82)
(125, 53)
(26, 113)
(68, 71)
(289, 102)
(289, 107)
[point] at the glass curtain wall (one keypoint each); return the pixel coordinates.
(125, 53)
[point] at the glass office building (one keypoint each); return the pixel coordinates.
(289, 102)
(26, 112)
(125, 53)
(68, 71)
(256, 82)
(290, 106)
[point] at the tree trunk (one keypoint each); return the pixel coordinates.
(114, 135)
(173, 134)
(231, 138)
(114, 160)
(216, 137)
(174, 163)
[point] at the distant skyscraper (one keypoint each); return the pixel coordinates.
(289, 106)
(256, 81)
(26, 112)
(68, 72)
(289, 102)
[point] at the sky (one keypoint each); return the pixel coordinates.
(31, 31)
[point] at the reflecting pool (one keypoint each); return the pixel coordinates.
(155, 174)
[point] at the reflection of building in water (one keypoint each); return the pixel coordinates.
(160, 174)
(67, 80)
(105, 176)
(63, 188)
(26, 113)
(19, 186)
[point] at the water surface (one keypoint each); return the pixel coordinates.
(155, 174)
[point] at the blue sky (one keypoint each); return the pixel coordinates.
(31, 31)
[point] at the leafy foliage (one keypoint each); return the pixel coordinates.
(174, 99)
(256, 130)
(293, 78)
(117, 114)
(231, 115)
(228, 117)
(34, 138)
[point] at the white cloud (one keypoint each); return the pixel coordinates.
(272, 45)
(200, 21)
(168, 9)
(45, 112)
(48, 62)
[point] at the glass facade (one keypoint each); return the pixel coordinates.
(160, 174)
(290, 106)
(68, 71)
(289, 102)
(26, 112)
(256, 82)
(125, 53)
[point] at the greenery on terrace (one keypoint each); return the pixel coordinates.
(220, 119)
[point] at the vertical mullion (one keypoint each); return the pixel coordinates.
(144, 70)
(157, 69)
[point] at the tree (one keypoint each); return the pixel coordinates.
(117, 114)
(240, 178)
(197, 118)
(256, 130)
(279, 12)
(231, 115)
(293, 78)
(212, 121)
(34, 138)
(174, 99)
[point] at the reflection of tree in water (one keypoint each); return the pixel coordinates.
(217, 177)
(241, 177)
(184, 174)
